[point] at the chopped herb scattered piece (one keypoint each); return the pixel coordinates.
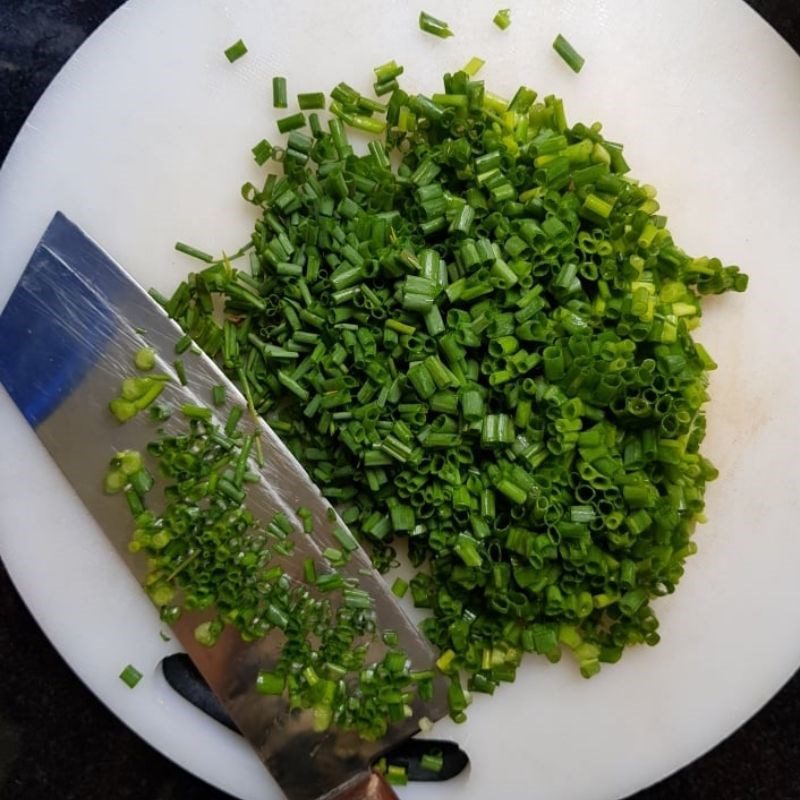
(145, 359)
(570, 55)
(502, 18)
(280, 97)
(130, 676)
(434, 26)
(236, 51)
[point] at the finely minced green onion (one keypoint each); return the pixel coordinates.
(236, 51)
(130, 676)
(502, 18)
(434, 26)
(573, 59)
(487, 350)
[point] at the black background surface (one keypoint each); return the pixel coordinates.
(58, 742)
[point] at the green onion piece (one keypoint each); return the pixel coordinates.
(292, 123)
(311, 100)
(142, 482)
(130, 676)
(233, 420)
(396, 775)
(573, 59)
(180, 371)
(279, 93)
(433, 762)
(307, 518)
(385, 87)
(193, 252)
(218, 395)
(207, 633)
(145, 359)
(115, 481)
(399, 587)
(235, 51)
(271, 683)
(262, 152)
(502, 18)
(345, 539)
(388, 71)
(434, 26)
(191, 411)
(128, 462)
(473, 66)
(183, 344)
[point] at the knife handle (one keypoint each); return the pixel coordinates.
(371, 786)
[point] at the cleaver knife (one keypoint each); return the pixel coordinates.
(67, 339)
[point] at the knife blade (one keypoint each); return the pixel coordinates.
(69, 333)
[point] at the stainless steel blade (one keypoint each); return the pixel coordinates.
(67, 339)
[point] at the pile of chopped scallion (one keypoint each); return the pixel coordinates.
(477, 339)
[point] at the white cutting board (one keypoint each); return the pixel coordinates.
(144, 138)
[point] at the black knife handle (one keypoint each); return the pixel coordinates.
(182, 675)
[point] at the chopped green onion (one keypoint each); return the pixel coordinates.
(396, 775)
(218, 395)
(136, 395)
(292, 123)
(345, 539)
(193, 252)
(236, 51)
(502, 18)
(130, 676)
(180, 371)
(145, 359)
(262, 152)
(115, 481)
(270, 683)
(434, 26)
(478, 337)
(473, 66)
(433, 762)
(279, 93)
(207, 633)
(573, 59)
(307, 518)
(311, 100)
(399, 587)
(191, 411)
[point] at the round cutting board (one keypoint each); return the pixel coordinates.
(145, 138)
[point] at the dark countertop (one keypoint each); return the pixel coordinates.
(58, 741)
